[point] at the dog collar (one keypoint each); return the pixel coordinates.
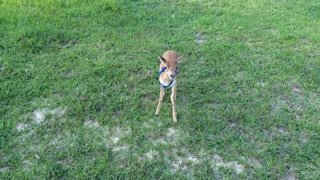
(160, 72)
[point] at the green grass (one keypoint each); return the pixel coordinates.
(78, 89)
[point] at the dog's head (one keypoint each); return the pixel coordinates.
(171, 66)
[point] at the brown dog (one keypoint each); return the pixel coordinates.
(169, 62)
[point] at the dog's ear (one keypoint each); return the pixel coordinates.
(179, 58)
(162, 59)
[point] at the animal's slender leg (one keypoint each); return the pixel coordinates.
(160, 100)
(173, 101)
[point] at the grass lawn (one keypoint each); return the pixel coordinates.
(79, 89)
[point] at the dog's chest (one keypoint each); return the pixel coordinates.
(174, 81)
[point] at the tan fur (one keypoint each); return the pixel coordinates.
(169, 59)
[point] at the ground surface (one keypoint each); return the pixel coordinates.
(78, 89)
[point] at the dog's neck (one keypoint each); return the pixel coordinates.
(167, 84)
(165, 80)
